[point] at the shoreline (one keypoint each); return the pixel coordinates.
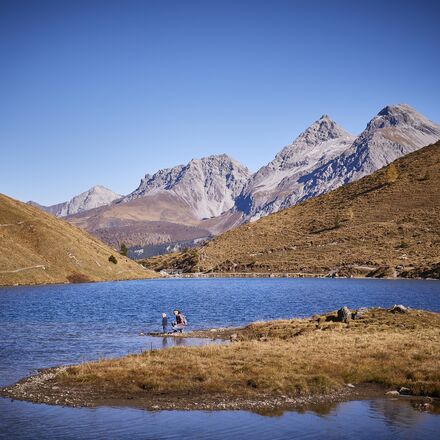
(293, 275)
(264, 366)
(43, 388)
(224, 275)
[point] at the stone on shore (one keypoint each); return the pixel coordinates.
(344, 314)
(398, 308)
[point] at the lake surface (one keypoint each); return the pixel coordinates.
(61, 324)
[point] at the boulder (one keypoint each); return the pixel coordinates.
(393, 393)
(344, 314)
(404, 391)
(233, 337)
(398, 308)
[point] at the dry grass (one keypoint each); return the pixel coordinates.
(376, 225)
(37, 248)
(296, 357)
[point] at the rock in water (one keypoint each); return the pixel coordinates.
(393, 393)
(398, 308)
(405, 391)
(344, 314)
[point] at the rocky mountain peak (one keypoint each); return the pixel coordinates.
(208, 185)
(95, 197)
(321, 130)
(400, 115)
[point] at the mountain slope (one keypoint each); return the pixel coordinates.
(268, 188)
(383, 224)
(93, 198)
(38, 248)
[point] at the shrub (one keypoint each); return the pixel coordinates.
(123, 250)
(113, 259)
(78, 278)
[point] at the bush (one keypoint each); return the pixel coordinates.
(123, 250)
(78, 278)
(113, 259)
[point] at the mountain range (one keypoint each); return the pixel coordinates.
(186, 204)
(383, 225)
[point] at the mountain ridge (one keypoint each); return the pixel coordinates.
(94, 197)
(384, 224)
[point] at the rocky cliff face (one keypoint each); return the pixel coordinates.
(268, 188)
(93, 198)
(325, 157)
(395, 131)
(208, 186)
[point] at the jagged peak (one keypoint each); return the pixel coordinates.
(323, 129)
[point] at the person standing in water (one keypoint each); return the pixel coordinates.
(164, 322)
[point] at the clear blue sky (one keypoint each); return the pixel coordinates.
(102, 92)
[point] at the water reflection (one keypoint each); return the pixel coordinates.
(378, 419)
(396, 412)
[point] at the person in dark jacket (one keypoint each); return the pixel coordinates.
(164, 322)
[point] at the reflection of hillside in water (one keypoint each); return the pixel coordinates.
(395, 412)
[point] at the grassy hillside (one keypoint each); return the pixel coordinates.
(385, 224)
(38, 248)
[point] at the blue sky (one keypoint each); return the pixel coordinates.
(102, 92)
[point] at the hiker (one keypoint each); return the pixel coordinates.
(180, 321)
(164, 322)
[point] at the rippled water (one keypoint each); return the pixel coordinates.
(52, 325)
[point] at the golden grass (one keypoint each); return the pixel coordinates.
(291, 358)
(38, 248)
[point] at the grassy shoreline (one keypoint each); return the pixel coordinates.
(286, 363)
